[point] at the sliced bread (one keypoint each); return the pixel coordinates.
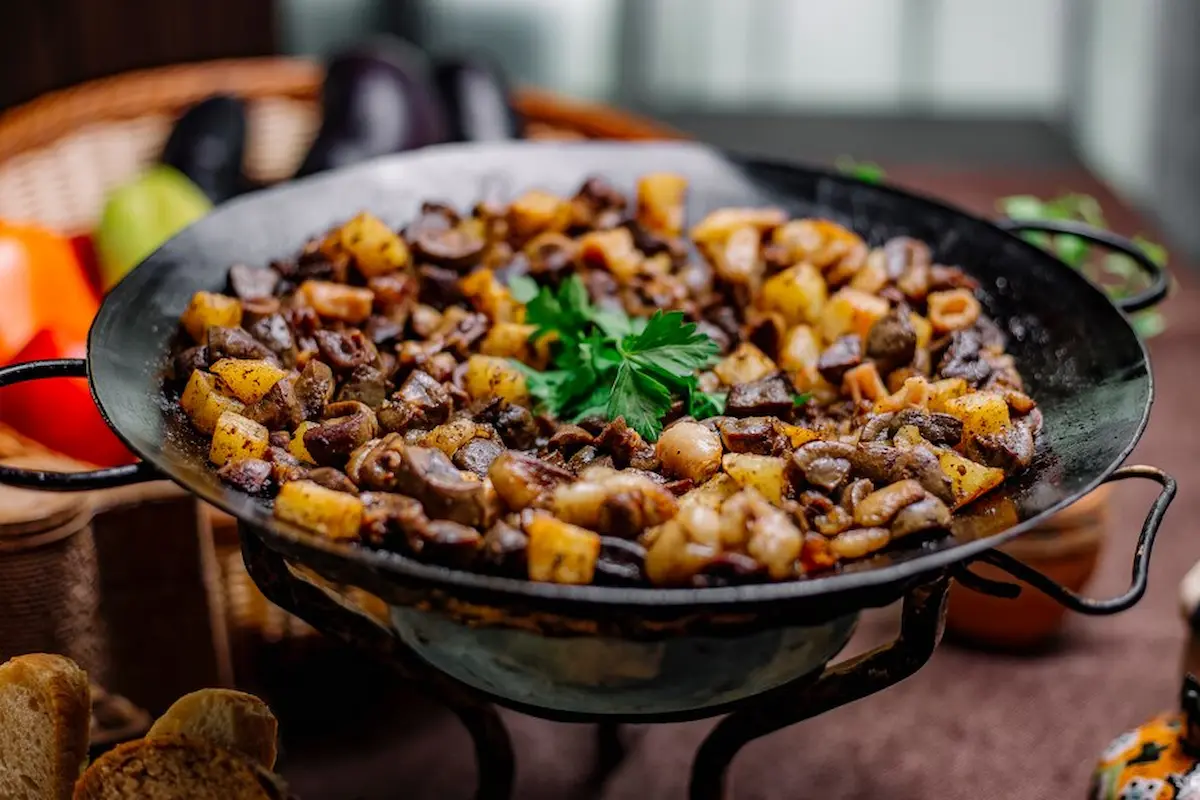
(45, 713)
(236, 721)
(171, 767)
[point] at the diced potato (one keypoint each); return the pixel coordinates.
(536, 212)
(746, 363)
(510, 340)
(671, 559)
(717, 226)
(798, 293)
(796, 434)
(660, 197)
(764, 473)
(968, 480)
(451, 436)
(490, 376)
(923, 328)
(850, 311)
(611, 250)
(215, 404)
(297, 447)
(235, 438)
(909, 436)
(820, 242)
(336, 515)
(873, 275)
(738, 258)
(338, 300)
(491, 297)
(945, 390)
(559, 552)
(248, 379)
(207, 310)
(199, 386)
(800, 349)
(982, 413)
(376, 248)
(712, 492)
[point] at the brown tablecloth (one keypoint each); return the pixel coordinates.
(970, 725)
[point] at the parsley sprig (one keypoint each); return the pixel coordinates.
(611, 365)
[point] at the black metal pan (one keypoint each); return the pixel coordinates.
(1079, 356)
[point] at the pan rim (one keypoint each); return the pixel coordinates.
(501, 589)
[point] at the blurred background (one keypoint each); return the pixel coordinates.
(1114, 84)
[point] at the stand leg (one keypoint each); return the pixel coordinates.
(921, 625)
(610, 751)
(334, 616)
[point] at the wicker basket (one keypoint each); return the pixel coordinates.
(62, 153)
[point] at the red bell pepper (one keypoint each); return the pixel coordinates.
(59, 412)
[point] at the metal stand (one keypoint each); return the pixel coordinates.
(920, 631)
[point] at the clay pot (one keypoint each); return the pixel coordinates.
(1066, 550)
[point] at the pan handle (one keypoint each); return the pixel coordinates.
(1141, 556)
(1160, 281)
(43, 480)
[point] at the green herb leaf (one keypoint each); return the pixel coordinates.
(671, 345)
(865, 171)
(703, 405)
(640, 399)
(523, 288)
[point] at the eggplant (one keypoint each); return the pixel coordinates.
(478, 103)
(207, 145)
(378, 98)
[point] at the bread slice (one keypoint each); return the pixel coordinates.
(171, 767)
(45, 714)
(236, 721)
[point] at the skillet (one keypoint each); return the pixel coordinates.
(1080, 358)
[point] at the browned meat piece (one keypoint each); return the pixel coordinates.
(766, 397)
(825, 465)
(477, 456)
(249, 283)
(551, 257)
(854, 492)
(963, 358)
(884, 464)
(766, 331)
(439, 286)
(504, 550)
(399, 523)
(525, 481)
(926, 514)
(284, 466)
(621, 562)
(190, 360)
(365, 385)
(752, 435)
(513, 422)
(303, 321)
(1011, 450)
(453, 248)
(597, 205)
(347, 425)
(280, 439)
(381, 330)
(937, 428)
(314, 389)
(943, 278)
(313, 265)
(251, 475)
(279, 409)
(902, 253)
(879, 507)
(626, 446)
(892, 341)
(426, 474)
(465, 336)
(730, 569)
(420, 402)
(236, 343)
(345, 350)
(840, 357)
(587, 456)
(876, 427)
(332, 478)
(273, 332)
(568, 437)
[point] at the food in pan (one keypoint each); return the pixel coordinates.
(585, 390)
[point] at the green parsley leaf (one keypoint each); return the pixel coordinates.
(702, 405)
(671, 345)
(640, 400)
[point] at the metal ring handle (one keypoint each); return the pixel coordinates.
(1160, 281)
(1141, 554)
(46, 481)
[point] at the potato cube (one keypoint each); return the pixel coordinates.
(338, 301)
(820, 242)
(800, 349)
(717, 226)
(660, 197)
(923, 328)
(850, 311)
(559, 552)
(451, 436)
(764, 473)
(945, 390)
(873, 275)
(796, 434)
(208, 309)
(799, 293)
(536, 212)
(511, 340)
(336, 515)
(490, 376)
(235, 438)
(490, 297)
(612, 250)
(215, 404)
(376, 248)
(199, 386)
(982, 413)
(968, 480)
(248, 379)
(297, 447)
(746, 363)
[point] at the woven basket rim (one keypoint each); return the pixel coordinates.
(130, 95)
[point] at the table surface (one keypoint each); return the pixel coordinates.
(969, 725)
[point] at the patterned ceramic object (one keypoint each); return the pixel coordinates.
(1158, 761)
